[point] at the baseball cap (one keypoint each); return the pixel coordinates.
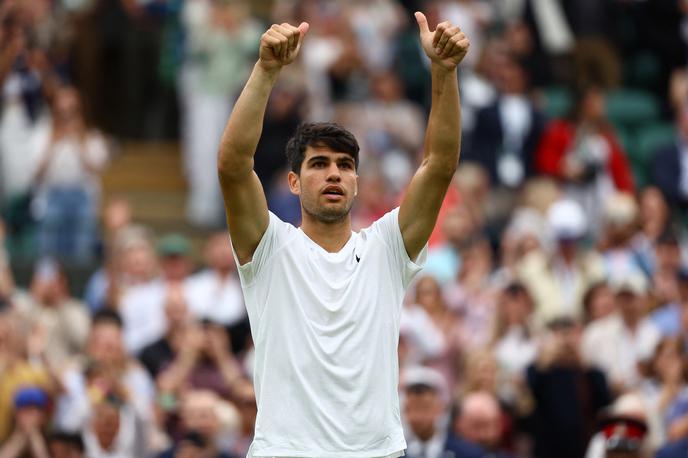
(634, 283)
(622, 433)
(173, 245)
(421, 377)
(566, 220)
(30, 396)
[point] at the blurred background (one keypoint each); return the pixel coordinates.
(551, 319)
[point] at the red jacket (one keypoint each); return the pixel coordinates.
(555, 143)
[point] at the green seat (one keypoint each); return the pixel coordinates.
(632, 108)
(558, 101)
(647, 140)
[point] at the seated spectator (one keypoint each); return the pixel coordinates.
(655, 217)
(215, 293)
(244, 398)
(558, 281)
(584, 153)
(669, 163)
(667, 317)
(113, 429)
(619, 223)
(425, 415)
(479, 421)
(471, 295)
(514, 342)
(568, 394)
(31, 417)
(160, 354)
(130, 261)
(665, 391)
(65, 445)
(203, 361)
(598, 302)
(106, 369)
(432, 330)
(201, 427)
(142, 306)
(71, 157)
(15, 369)
(618, 342)
(508, 131)
(61, 320)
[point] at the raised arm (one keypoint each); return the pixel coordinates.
(446, 47)
(245, 204)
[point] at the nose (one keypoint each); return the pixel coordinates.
(333, 173)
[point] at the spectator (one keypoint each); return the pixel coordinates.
(667, 318)
(619, 225)
(598, 302)
(65, 445)
(106, 370)
(31, 416)
(584, 154)
(620, 341)
(142, 306)
(426, 415)
(568, 394)
(507, 132)
(668, 163)
(479, 421)
(201, 426)
(58, 319)
(558, 282)
(214, 293)
(514, 341)
(70, 158)
(113, 429)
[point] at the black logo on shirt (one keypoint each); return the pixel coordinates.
(357, 258)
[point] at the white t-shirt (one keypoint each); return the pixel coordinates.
(326, 330)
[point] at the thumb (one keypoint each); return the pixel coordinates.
(422, 22)
(303, 28)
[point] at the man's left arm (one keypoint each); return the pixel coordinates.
(446, 47)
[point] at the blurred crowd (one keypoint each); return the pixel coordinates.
(551, 319)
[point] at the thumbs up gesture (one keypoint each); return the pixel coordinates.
(446, 46)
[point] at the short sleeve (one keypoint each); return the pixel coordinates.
(388, 229)
(275, 236)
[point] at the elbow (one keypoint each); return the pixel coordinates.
(232, 168)
(441, 169)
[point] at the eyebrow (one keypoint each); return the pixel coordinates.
(346, 158)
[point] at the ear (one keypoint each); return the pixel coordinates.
(356, 188)
(294, 183)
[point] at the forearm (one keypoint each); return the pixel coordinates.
(245, 125)
(443, 134)
(37, 445)
(178, 372)
(14, 446)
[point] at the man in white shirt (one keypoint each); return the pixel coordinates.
(618, 342)
(324, 302)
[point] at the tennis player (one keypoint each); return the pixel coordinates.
(324, 302)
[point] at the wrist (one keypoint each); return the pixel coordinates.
(437, 68)
(270, 72)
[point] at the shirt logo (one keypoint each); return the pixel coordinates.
(357, 258)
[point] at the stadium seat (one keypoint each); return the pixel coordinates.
(645, 142)
(558, 101)
(632, 108)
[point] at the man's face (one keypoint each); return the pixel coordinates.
(482, 427)
(422, 408)
(327, 184)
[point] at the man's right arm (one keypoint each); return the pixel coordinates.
(245, 204)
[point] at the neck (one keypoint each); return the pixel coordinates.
(331, 236)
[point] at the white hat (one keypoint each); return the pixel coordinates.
(425, 376)
(632, 282)
(566, 219)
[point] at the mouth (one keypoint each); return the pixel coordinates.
(333, 192)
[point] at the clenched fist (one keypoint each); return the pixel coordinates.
(446, 46)
(280, 45)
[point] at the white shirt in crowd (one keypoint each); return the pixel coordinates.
(326, 328)
(215, 298)
(612, 347)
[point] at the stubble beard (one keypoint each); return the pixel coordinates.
(327, 215)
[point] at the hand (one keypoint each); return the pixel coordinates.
(29, 420)
(446, 46)
(280, 45)
(218, 343)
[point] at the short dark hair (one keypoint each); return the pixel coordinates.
(107, 316)
(327, 134)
